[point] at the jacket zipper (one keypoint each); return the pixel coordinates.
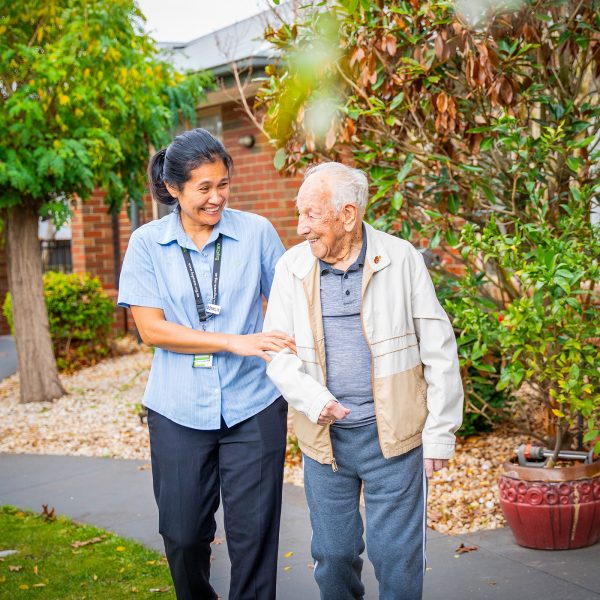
(362, 324)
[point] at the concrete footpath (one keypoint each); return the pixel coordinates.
(117, 495)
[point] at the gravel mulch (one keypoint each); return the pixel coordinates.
(99, 417)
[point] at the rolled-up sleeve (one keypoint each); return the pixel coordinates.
(439, 356)
(138, 284)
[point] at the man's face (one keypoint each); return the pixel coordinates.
(317, 220)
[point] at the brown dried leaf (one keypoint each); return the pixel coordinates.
(391, 44)
(439, 47)
(95, 540)
(15, 568)
(47, 514)
(462, 549)
(442, 102)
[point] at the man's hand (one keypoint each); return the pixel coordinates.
(332, 412)
(434, 464)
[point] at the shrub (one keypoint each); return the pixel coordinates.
(484, 404)
(80, 316)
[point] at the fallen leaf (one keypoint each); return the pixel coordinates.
(35, 570)
(162, 590)
(38, 585)
(288, 554)
(23, 586)
(15, 568)
(218, 541)
(144, 467)
(462, 549)
(47, 514)
(492, 583)
(94, 540)
(95, 577)
(120, 548)
(150, 562)
(288, 568)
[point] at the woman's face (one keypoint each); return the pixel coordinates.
(204, 195)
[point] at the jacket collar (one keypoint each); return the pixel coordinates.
(377, 258)
(173, 230)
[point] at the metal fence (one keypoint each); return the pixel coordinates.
(56, 255)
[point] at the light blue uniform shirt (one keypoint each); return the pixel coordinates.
(154, 274)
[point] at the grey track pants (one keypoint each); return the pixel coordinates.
(394, 491)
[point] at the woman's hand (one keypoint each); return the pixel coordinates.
(332, 412)
(258, 344)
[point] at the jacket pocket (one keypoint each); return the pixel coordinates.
(401, 405)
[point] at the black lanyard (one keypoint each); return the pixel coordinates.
(215, 283)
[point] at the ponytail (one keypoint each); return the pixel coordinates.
(156, 180)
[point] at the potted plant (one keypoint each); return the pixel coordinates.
(548, 334)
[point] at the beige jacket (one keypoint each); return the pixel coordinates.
(416, 382)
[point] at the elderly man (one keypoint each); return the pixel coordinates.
(375, 385)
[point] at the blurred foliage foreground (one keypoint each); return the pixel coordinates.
(480, 133)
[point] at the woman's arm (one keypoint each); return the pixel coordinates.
(155, 330)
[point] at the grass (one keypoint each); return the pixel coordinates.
(51, 564)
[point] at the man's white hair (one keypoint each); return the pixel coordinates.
(347, 185)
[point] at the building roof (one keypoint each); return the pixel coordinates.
(241, 43)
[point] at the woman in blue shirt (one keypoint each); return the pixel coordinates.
(194, 281)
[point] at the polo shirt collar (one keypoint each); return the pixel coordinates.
(174, 232)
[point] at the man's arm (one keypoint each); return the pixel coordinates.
(437, 347)
(285, 370)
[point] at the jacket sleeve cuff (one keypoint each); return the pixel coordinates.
(437, 450)
(318, 404)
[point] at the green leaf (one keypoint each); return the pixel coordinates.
(397, 101)
(279, 159)
(573, 163)
(405, 168)
(397, 200)
(486, 144)
(451, 238)
(434, 242)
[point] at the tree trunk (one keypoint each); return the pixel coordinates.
(38, 374)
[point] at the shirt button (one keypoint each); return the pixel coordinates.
(347, 292)
(346, 276)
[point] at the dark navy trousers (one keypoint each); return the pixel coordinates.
(243, 464)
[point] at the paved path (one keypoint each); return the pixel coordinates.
(117, 495)
(8, 356)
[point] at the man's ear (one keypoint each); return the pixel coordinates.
(172, 190)
(349, 216)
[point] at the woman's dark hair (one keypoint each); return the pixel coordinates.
(175, 163)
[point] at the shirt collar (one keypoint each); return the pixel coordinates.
(174, 232)
(359, 263)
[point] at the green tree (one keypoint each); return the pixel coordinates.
(459, 121)
(83, 93)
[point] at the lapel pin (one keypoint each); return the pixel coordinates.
(377, 259)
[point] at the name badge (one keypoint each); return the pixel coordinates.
(213, 309)
(204, 361)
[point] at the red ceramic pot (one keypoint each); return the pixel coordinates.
(552, 509)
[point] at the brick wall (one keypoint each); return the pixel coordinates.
(256, 186)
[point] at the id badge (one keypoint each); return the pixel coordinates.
(213, 309)
(204, 361)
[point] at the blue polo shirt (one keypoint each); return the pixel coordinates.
(154, 275)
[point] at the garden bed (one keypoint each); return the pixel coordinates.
(99, 417)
